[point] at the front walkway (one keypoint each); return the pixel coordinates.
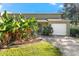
(68, 46)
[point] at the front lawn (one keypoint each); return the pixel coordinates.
(41, 48)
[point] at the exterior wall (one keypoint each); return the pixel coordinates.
(61, 21)
(43, 23)
(68, 28)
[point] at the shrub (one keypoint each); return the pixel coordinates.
(47, 30)
(74, 32)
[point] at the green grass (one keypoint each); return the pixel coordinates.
(41, 48)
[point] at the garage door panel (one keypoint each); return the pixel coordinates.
(59, 29)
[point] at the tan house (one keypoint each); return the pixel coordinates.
(60, 26)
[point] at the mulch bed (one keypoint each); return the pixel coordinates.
(17, 44)
(26, 41)
(21, 42)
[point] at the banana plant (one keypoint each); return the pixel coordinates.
(16, 28)
(28, 26)
(8, 26)
(5, 26)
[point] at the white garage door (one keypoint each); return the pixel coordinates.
(59, 29)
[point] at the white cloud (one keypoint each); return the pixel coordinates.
(53, 3)
(61, 6)
(0, 7)
(9, 12)
(1, 13)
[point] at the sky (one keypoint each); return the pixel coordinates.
(31, 7)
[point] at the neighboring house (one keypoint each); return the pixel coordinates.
(60, 26)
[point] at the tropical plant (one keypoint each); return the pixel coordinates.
(16, 28)
(5, 28)
(29, 27)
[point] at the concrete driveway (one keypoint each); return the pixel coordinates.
(68, 46)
